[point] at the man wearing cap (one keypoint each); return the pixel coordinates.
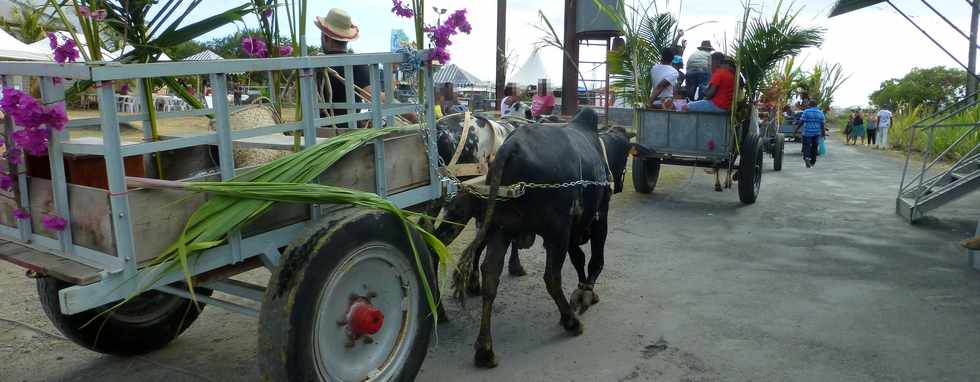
(699, 71)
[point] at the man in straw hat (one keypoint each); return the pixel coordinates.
(699, 71)
(336, 30)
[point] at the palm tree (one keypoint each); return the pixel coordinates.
(782, 84)
(822, 82)
(767, 41)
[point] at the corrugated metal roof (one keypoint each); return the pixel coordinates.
(845, 6)
(456, 75)
(206, 55)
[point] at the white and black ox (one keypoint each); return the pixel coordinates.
(565, 218)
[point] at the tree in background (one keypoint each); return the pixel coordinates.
(932, 88)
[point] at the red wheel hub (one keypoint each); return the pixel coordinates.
(364, 319)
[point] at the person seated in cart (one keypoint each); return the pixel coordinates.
(664, 78)
(337, 30)
(721, 88)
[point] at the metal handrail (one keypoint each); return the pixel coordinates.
(944, 153)
(959, 107)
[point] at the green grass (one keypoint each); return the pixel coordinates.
(901, 133)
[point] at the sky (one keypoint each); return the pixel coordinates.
(873, 45)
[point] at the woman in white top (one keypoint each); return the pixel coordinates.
(510, 105)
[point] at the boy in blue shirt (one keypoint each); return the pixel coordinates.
(813, 128)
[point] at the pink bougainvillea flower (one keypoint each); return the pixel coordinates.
(54, 223)
(21, 214)
(13, 156)
(84, 11)
(458, 21)
(52, 40)
(67, 52)
(440, 35)
(254, 47)
(55, 116)
(99, 15)
(285, 50)
(267, 13)
(124, 89)
(401, 10)
(6, 182)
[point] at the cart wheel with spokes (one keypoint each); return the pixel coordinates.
(777, 154)
(347, 303)
(750, 169)
(646, 171)
(145, 323)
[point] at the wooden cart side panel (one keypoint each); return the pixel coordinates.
(91, 226)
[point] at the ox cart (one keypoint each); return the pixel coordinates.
(330, 264)
(696, 139)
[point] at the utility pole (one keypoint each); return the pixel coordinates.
(501, 52)
(971, 84)
(569, 73)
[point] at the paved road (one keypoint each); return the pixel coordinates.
(818, 281)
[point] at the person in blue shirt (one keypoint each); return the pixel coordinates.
(813, 128)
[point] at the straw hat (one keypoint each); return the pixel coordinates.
(338, 25)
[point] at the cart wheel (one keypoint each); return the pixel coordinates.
(146, 323)
(750, 170)
(777, 155)
(346, 303)
(645, 174)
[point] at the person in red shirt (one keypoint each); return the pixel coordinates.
(721, 89)
(543, 103)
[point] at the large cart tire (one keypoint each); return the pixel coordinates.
(646, 171)
(750, 169)
(777, 155)
(324, 300)
(146, 323)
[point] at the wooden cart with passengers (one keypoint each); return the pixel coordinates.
(341, 263)
(696, 139)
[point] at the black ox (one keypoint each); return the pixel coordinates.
(565, 217)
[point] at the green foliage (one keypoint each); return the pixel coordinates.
(900, 133)
(932, 88)
(645, 36)
(184, 50)
(768, 41)
(29, 23)
(822, 82)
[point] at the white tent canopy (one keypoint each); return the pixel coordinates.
(13, 49)
(531, 71)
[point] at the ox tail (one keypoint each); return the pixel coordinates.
(461, 276)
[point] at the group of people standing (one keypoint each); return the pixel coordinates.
(871, 130)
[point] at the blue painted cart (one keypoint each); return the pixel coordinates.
(695, 139)
(344, 301)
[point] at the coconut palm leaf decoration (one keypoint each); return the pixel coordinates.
(769, 40)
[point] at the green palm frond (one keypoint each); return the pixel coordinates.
(770, 40)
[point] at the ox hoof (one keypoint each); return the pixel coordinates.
(443, 316)
(583, 299)
(473, 288)
(517, 271)
(485, 359)
(572, 325)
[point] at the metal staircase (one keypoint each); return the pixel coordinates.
(936, 184)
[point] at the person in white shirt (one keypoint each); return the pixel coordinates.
(510, 105)
(663, 78)
(884, 123)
